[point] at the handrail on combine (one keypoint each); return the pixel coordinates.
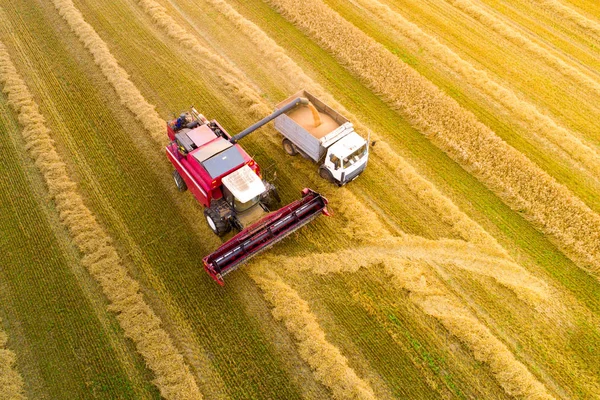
(264, 233)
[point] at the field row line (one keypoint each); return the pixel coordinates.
(11, 382)
(535, 121)
(427, 292)
(138, 321)
(329, 365)
(512, 35)
(510, 174)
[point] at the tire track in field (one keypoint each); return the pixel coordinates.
(429, 294)
(535, 121)
(137, 320)
(11, 382)
(511, 175)
(556, 7)
(329, 366)
(512, 35)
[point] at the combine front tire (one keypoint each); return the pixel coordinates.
(218, 225)
(179, 182)
(289, 147)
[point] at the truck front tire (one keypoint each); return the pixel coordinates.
(289, 147)
(218, 225)
(326, 174)
(179, 182)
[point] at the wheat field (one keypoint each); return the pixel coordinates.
(463, 263)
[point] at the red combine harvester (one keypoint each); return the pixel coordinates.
(228, 183)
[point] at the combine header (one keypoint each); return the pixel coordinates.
(229, 184)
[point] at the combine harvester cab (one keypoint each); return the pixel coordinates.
(228, 183)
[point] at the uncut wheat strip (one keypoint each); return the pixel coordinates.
(11, 382)
(535, 121)
(566, 12)
(511, 34)
(518, 181)
(329, 366)
(232, 78)
(423, 189)
(430, 295)
(128, 94)
(172, 375)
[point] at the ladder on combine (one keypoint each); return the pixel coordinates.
(264, 233)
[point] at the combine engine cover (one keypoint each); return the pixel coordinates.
(264, 233)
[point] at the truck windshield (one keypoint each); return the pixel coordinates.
(241, 207)
(355, 156)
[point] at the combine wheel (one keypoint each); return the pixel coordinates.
(218, 225)
(271, 199)
(325, 174)
(289, 147)
(179, 182)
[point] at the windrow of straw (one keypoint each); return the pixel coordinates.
(128, 94)
(138, 321)
(520, 40)
(11, 383)
(522, 185)
(591, 27)
(430, 295)
(329, 366)
(423, 189)
(231, 78)
(534, 121)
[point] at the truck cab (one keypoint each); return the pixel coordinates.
(347, 158)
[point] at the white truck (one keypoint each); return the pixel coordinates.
(321, 134)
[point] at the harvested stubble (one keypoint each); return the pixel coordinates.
(128, 94)
(231, 78)
(534, 121)
(329, 366)
(431, 296)
(522, 185)
(138, 321)
(512, 35)
(11, 383)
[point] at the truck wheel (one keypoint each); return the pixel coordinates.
(218, 225)
(179, 182)
(326, 174)
(289, 147)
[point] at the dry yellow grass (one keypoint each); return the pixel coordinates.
(172, 376)
(434, 299)
(592, 27)
(511, 34)
(329, 366)
(522, 185)
(533, 120)
(11, 382)
(423, 189)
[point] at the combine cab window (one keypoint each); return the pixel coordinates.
(241, 207)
